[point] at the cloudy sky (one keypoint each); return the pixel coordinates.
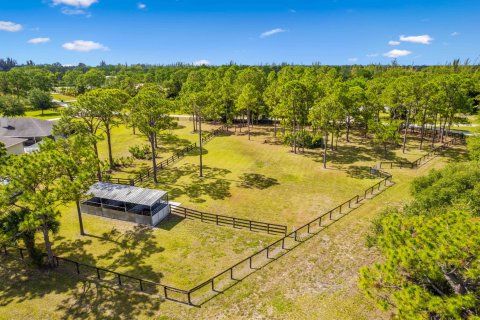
(247, 32)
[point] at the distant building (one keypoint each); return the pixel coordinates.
(25, 131)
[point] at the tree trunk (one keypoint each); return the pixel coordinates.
(249, 121)
(109, 145)
(422, 134)
(201, 145)
(48, 245)
(325, 148)
(434, 132)
(407, 123)
(348, 128)
(154, 160)
(275, 127)
(99, 171)
(80, 220)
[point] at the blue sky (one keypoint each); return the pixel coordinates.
(247, 32)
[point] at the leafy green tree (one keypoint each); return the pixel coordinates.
(40, 100)
(106, 105)
(246, 101)
(385, 134)
(473, 145)
(19, 82)
(76, 168)
(93, 78)
(33, 188)
(11, 106)
(151, 116)
(431, 268)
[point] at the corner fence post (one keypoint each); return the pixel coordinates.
(189, 297)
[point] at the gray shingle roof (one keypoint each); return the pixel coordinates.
(25, 127)
(8, 142)
(124, 193)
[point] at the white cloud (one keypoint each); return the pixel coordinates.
(38, 40)
(393, 43)
(396, 53)
(10, 26)
(352, 59)
(83, 46)
(141, 6)
(201, 62)
(271, 32)
(454, 34)
(73, 12)
(372, 55)
(75, 3)
(423, 39)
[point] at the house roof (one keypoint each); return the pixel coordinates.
(25, 127)
(124, 193)
(9, 142)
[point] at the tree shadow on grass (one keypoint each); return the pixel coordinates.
(256, 181)
(212, 184)
(91, 299)
(360, 172)
(20, 282)
(132, 249)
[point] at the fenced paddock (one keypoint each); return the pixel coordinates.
(221, 220)
(227, 278)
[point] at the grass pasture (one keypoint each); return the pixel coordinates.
(258, 179)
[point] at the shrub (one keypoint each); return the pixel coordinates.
(304, 140)
(140, 152)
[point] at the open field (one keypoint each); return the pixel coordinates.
(316, 280)
(62, 97)
(47, 114)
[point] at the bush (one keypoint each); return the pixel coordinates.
(123, 162)
(304, 140)
(140, 152)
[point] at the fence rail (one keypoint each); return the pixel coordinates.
(146, 174)
(420, 161)
(221, 220)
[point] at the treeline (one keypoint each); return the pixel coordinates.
(314, 105)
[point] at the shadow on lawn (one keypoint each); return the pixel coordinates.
(212, 184)
(256, 181)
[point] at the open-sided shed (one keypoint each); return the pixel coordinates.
(128, 203)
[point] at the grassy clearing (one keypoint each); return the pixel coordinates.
(262, 180)
(179, 252)
(318, 280)
(47, 114)
(170, 142)
(62, 97)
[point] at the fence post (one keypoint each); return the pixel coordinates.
(213, 284)
(119, 279)
(340, 211)
(189, 298)
(98, 274)
(268, 252)
(217, 219)
(250, 262)
(78, 267)
(141, 285)
(268, 228)
(165, 292)
(234, 220)
(283, 243)
(320, 221)
(185, 212)
(201, 216)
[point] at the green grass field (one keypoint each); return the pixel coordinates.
(47, 114)
(256, 179)
(62, 97)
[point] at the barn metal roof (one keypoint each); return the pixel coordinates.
(124, 193)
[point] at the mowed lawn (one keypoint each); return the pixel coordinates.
(260, 179)
(178, 252)
(317, 280)
(169, 142)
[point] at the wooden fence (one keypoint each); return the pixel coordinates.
(415, 164)
(221, 220)
(148, 173)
